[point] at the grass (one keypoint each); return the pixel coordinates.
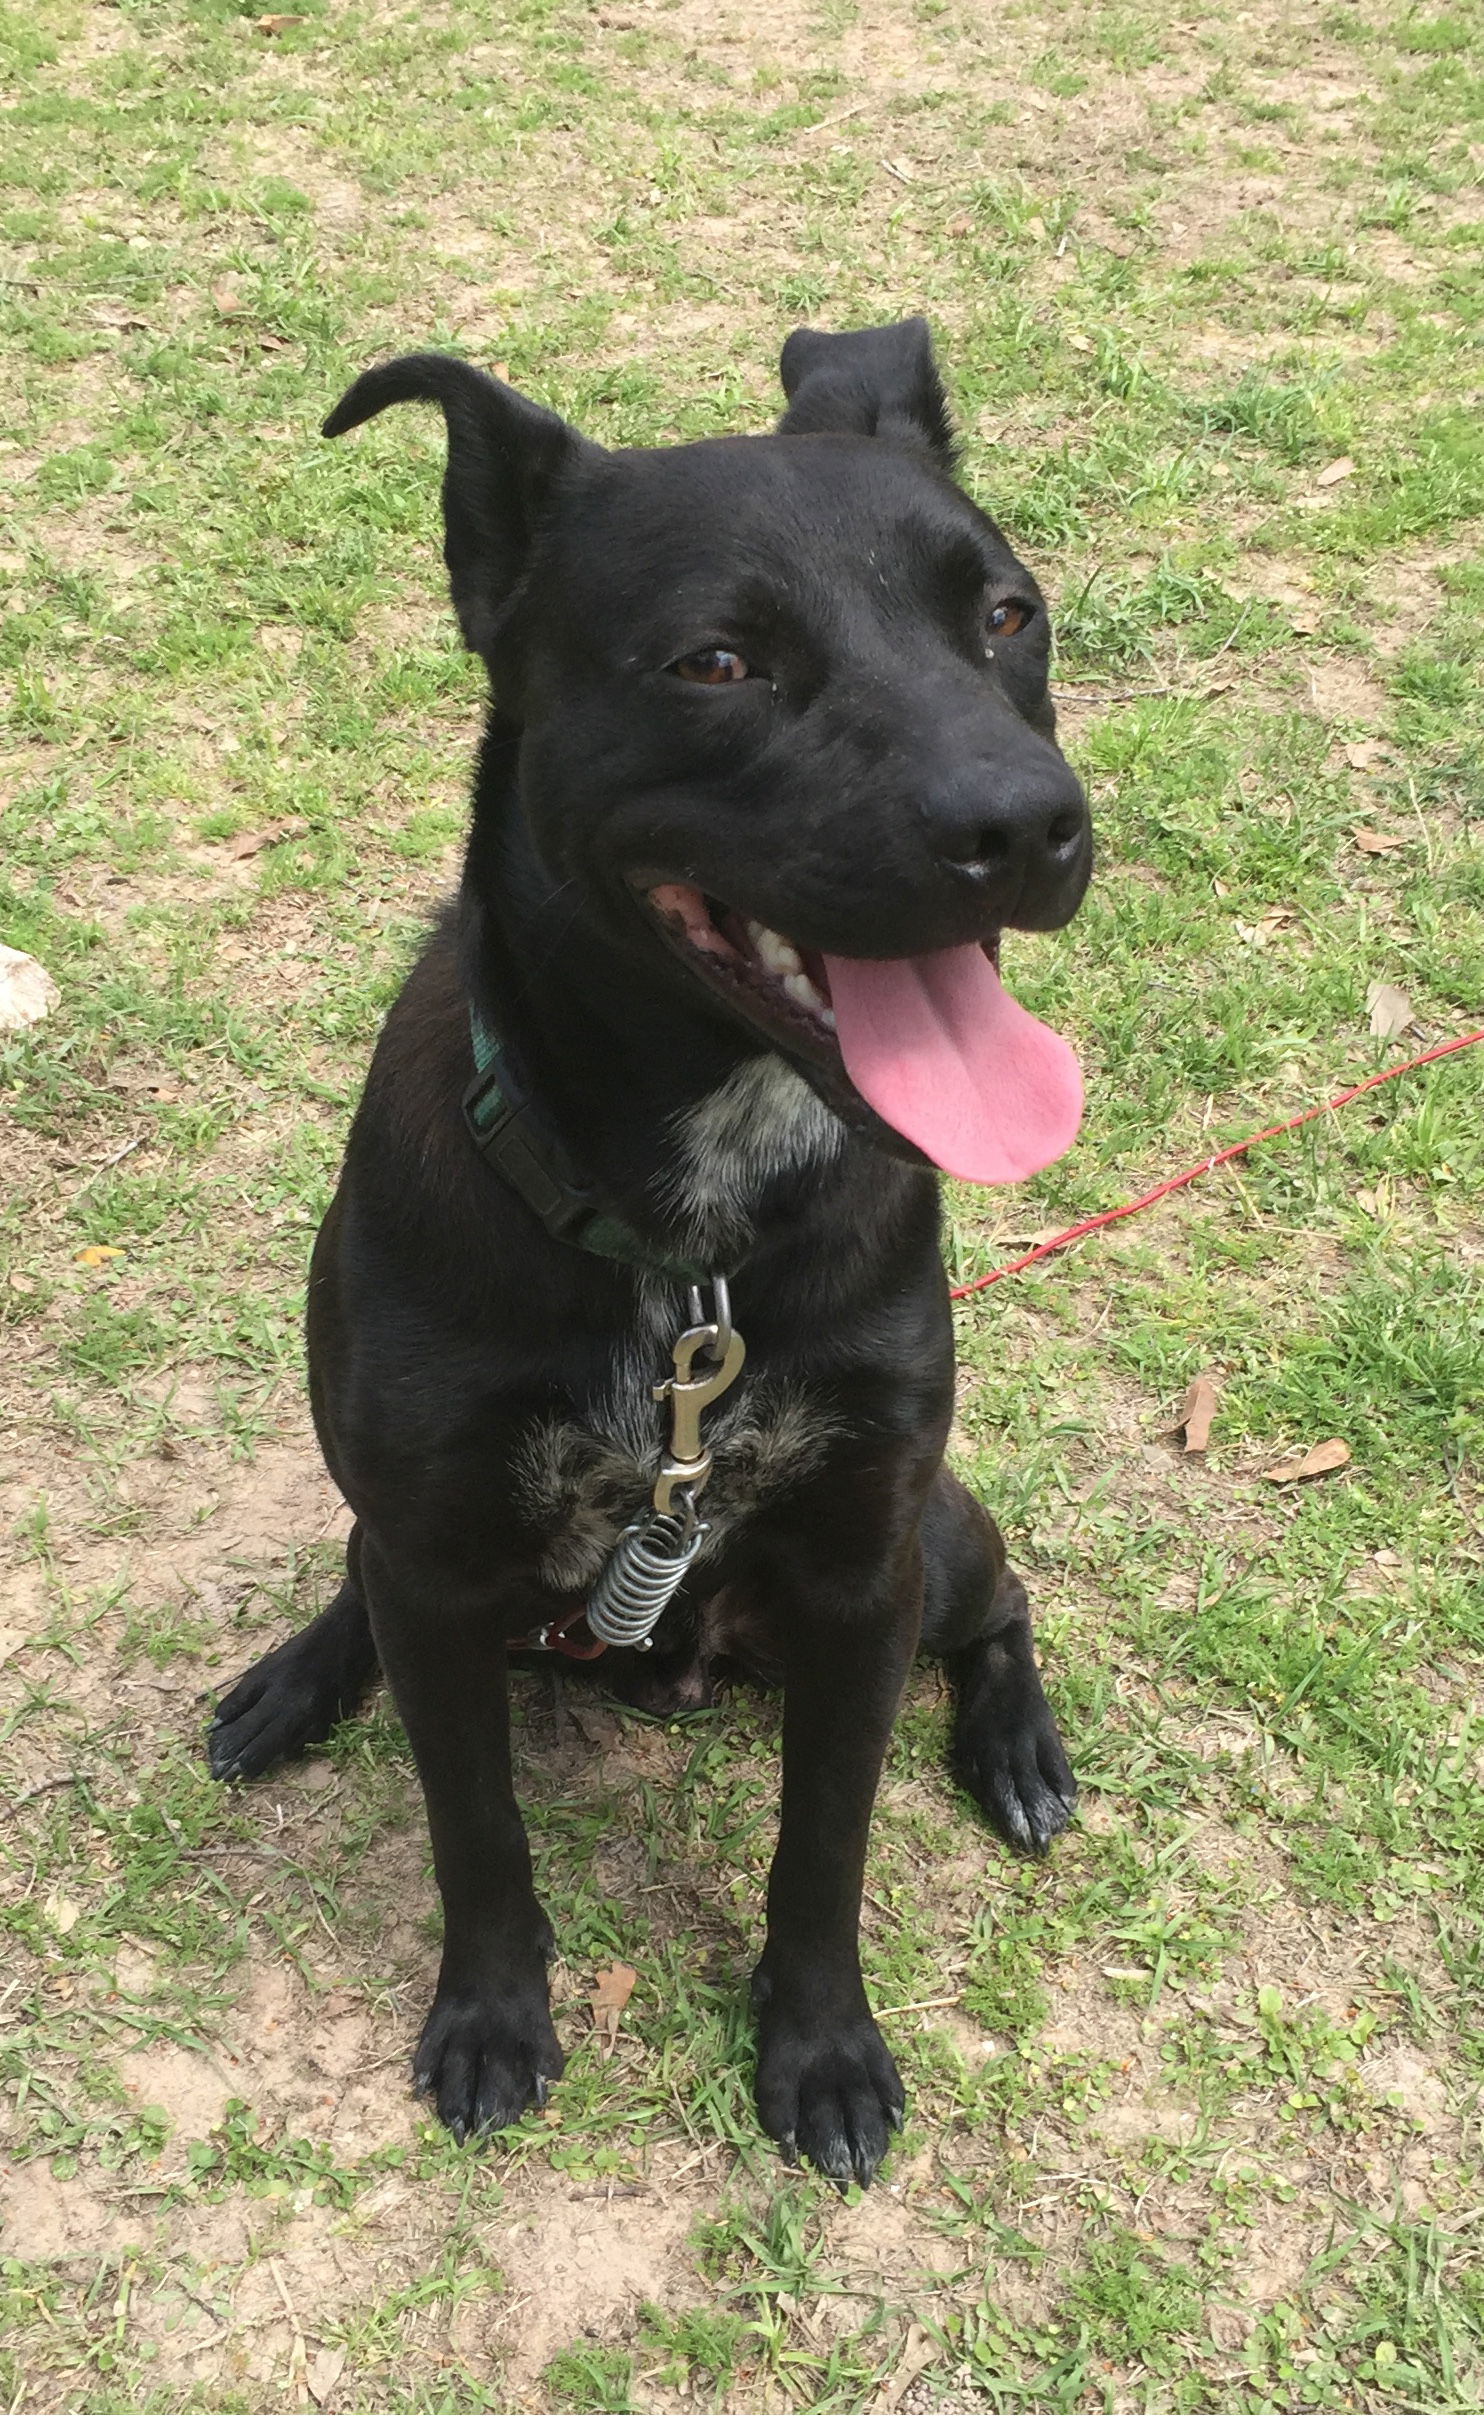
(1194, 2120)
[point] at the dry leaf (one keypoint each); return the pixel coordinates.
(1079, 343)
(1377, 842)
(60, 1913)
(227, 299)
(1020, 1237)
(1196, 1412)
(611, 1992)
(322, 2374)
(272, 343)
(1322, 1460)
(275, 25)
(1257, 934)
(252, 842)
(1390, 1010)
(27, 991)
(1362, 753)
(918, 2353)
(97, 1253)
(957, 228)
(1334, 471)
(899, 169)
(24, 1284)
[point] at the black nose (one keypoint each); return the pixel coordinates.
(1020, 825)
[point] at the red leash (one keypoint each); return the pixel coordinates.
(1239, 1148)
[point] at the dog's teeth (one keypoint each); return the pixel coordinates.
(801, 989)
(774, 954)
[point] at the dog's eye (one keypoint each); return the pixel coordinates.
(712, 667)
(1008, 619)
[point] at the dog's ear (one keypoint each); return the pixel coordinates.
(504, 456)
(879, 381)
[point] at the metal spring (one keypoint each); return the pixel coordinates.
(647, 1564)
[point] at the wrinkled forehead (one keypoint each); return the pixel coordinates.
(790, 516)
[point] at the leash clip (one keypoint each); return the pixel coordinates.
(648, 1563)
(720, 1350)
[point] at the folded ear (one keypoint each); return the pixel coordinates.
(879, 381)
(504, 457)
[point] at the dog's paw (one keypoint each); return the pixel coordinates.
(271, 1714)
(484, 2059)
(830, 2092)
(1010, 1758)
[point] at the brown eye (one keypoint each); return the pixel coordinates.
(712, 667)
(1007, 620)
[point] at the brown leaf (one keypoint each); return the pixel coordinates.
(97, 1253)
(1334, 471)
(1322, 1460)
(918, 2353)
(322, 2374)
(227, 299)
(21, 1284)
(611, 1992)
(1257, 934)
(957, 228)
(1080, 343)
(275, 24)
(1363, 753)
(252, 842)
(1196, 1412)
(1378, 842)
(1390, 1010)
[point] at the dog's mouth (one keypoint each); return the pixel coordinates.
(933, 1045)
(776, 982)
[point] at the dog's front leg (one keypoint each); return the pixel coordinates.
(488, 2048)
(826, 2085)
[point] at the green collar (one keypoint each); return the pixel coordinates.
(510, 1136)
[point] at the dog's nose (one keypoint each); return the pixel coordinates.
(1024, 825)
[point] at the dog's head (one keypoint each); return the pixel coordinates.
(785, 725)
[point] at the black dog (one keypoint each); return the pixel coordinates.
(792, 684)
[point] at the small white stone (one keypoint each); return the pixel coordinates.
(27, 991)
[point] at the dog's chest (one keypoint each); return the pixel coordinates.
(580, 1483)
(581, 1479)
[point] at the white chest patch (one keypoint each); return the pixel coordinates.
(764, 1121)
(582, 1483)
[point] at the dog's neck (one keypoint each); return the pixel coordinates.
(699, 1133)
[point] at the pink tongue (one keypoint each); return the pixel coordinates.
(940, 1049)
